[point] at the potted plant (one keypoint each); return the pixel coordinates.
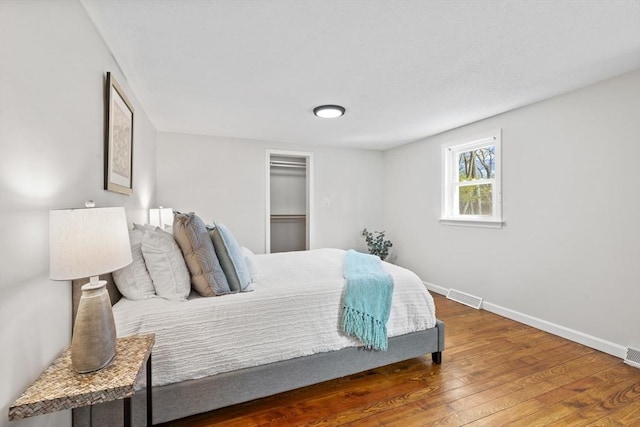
(376, 243)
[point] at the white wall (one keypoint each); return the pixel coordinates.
(570, 251)
(224, 180)
(52, 71)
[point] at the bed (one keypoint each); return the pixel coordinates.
(258, 350)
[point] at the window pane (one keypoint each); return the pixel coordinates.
(477, 164)
(476, 199)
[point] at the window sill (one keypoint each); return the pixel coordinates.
(481, 223)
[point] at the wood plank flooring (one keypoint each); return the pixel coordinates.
(495, 372)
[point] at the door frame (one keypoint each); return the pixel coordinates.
(308, 155)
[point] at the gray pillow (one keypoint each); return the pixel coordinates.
(207, 276)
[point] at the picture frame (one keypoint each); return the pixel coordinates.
(118, 146)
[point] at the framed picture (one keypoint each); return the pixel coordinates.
(118, 155)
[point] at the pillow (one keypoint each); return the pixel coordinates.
(252, 264)
(207, 277)
(144, 227)
(165, 264)
(231, 259)
(133, 281)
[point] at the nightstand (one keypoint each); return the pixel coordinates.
(60, 387)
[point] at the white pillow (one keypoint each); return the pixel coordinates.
(145, 227)
(166, 265)
(252, 264)
(133, 281)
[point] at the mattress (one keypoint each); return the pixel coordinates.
(294, 311)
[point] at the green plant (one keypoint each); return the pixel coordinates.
(376, 243)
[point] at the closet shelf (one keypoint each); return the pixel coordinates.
(285, 217)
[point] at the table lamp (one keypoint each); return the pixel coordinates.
(161, 217)
(86, 243)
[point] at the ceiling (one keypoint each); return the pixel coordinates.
(404, 70)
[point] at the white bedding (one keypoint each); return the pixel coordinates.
(294, 311)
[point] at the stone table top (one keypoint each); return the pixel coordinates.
(60, 387)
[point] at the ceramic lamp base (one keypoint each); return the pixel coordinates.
(93, 345)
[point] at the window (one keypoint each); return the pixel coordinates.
(471, 191)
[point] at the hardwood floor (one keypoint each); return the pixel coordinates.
(495, 372)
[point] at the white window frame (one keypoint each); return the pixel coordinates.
(450, 182)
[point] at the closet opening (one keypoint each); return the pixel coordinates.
(289, 177)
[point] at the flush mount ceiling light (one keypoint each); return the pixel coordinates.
(329, 111)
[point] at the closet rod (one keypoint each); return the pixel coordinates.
(284, 164)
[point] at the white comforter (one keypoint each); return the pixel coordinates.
(294, 311)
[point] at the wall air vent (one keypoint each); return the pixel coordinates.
(633, 357)
(464, 298)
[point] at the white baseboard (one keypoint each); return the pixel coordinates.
(435, 288)
(564, 332)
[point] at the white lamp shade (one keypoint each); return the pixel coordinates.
(161, 217)
(87, 242)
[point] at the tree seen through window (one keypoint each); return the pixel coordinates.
(474, 168)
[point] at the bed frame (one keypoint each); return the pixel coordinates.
(179, 400)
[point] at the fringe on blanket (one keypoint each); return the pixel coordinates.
(371, 332)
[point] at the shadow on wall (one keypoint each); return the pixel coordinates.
(22, 324)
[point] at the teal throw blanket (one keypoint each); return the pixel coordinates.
(367, 299)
